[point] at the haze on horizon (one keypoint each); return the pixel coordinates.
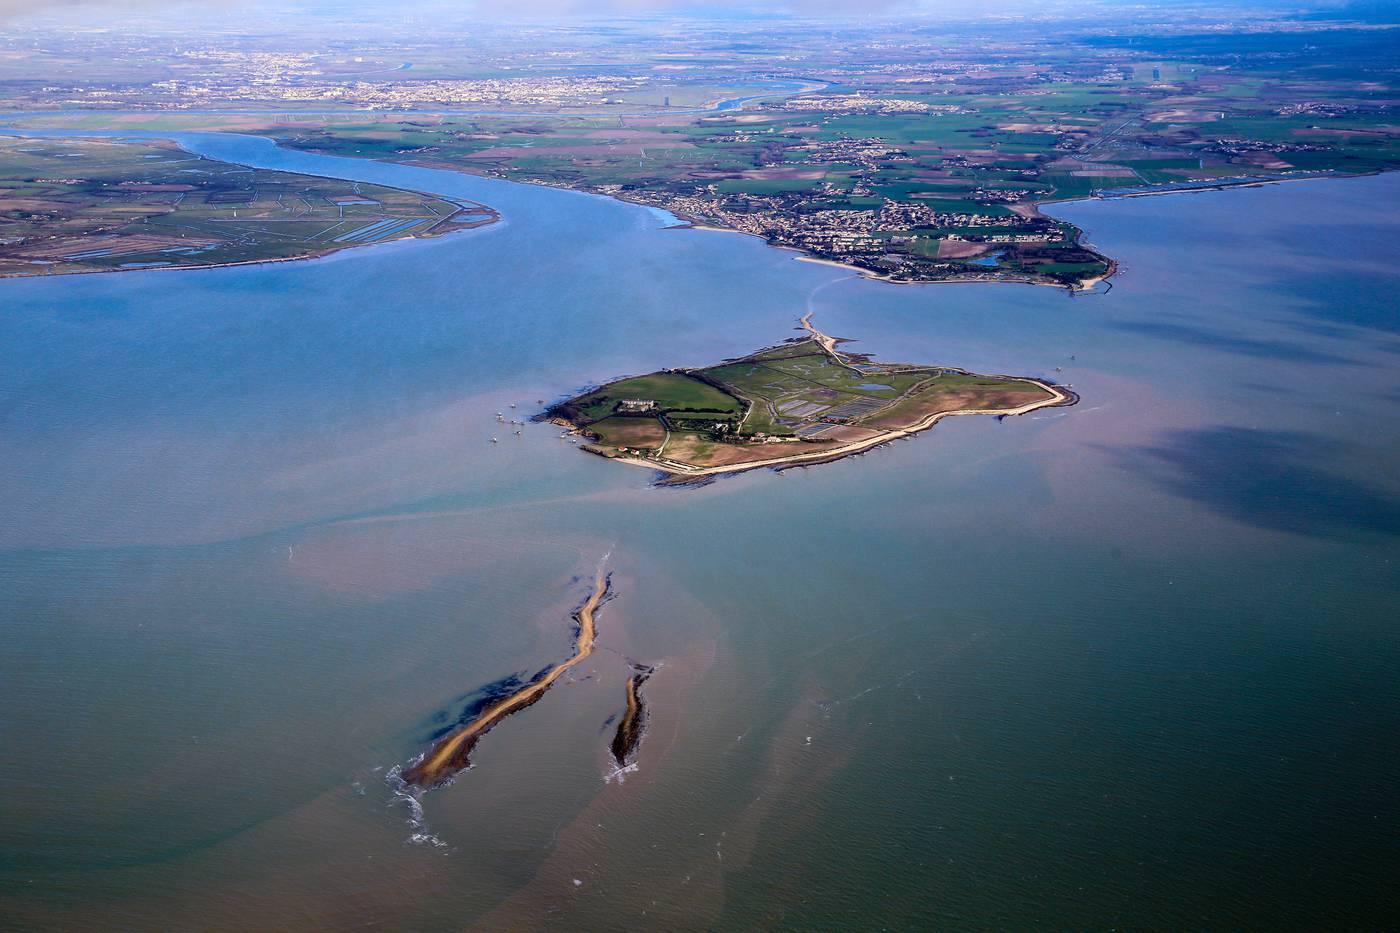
(108, 13)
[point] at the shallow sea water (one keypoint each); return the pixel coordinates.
(1132, 663)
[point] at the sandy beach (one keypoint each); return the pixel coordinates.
(1058, 397)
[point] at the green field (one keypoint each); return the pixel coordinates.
(792, 399)
(672, 392)
(934, 140)
(79, 205)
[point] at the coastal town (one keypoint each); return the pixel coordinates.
(917, 160)
(865, 238)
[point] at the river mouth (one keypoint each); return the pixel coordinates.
(1170, 562)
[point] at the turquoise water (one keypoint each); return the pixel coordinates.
(1128, 664)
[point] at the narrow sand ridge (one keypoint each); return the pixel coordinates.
(452, 753)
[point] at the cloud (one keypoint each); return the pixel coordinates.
(100, 12)
(545, 8)
(14, 9)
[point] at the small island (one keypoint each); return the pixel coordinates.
(798, 403)
(634, 719)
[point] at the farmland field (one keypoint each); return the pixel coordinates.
(670, 391)
(798, 401)
(84, 205)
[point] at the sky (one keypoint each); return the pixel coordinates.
(97, 11)
(14, 8)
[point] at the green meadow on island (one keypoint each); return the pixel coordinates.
(797, 403)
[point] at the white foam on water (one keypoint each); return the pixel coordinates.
(411, 797)
(426, 839)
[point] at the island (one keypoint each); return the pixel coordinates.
(801, 402)
(633, 722)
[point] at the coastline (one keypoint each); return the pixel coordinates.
(685, 222)
(678, 472)
(495, 218)
(1061, 397)
(970, 278)
(996, 580)
(203, 267)
(962, 279)
(1225, 186)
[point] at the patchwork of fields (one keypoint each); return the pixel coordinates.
(796, 402)
(923, 158)
(83, 205)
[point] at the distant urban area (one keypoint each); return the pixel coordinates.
(910, 154)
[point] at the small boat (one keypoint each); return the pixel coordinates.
(494, 441)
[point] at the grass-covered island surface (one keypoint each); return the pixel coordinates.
(800, 402)
(102, 205)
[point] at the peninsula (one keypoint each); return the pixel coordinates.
(71, 205)
(801, 402)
